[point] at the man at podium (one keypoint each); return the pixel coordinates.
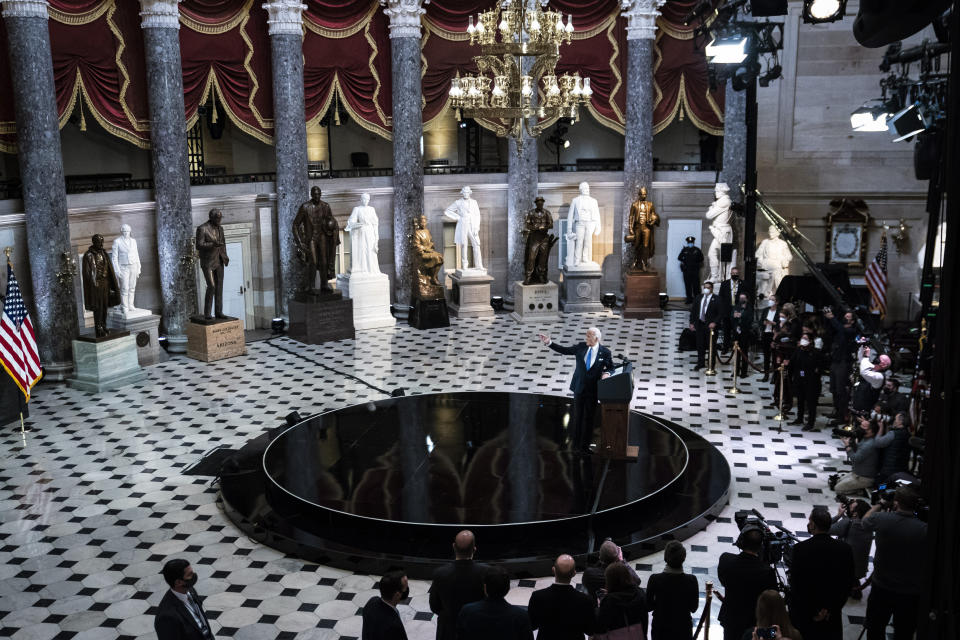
(594, 362)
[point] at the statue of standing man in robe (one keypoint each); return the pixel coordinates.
(364, 228)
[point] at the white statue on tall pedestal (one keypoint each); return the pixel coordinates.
(364, 229)
(466, 212)
(583, 223)
(721, 215)
(773, 262)
(126, 264)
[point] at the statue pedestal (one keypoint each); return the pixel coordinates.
(642, 295)
(321, 318)
(215, 339)
(370, 294)
(580, 292)
(470, 296)
(428, 314)
(536, 302)
(101, 364)
(145, 330)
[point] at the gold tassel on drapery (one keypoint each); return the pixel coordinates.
(83, 120)
(336, 109)
(213, 108)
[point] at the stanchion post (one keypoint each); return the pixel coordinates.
(779, 417)
(710, 370)
(736, 357)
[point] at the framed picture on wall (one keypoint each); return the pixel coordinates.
(846, 241)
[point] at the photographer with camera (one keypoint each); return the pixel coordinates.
(863, 453)
(872, 376)
(894, 449)
(842, 348)
(821, 576)
(773, 622)
(897, 564)
(744, 576)
(891, 401)
(848, 527)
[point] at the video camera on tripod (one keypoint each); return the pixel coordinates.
(777, 545)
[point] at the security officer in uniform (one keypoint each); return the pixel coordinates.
(691, 261)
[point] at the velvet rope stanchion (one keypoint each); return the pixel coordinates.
(704, 622)
(779, 417)
(736, 354)
(710, 370)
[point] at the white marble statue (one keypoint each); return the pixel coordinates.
(773, 262)
(721, 216)
(126, 264)
(364, 228)
(583, 223)
(466, 212)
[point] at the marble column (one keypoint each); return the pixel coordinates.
(638, 139)
(289, 136)
(734, 141)
(160, 21)
(407, 130)
(41, 172)
(523, 174)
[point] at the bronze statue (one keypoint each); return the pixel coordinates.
(212, 247)
(643, 218)
(317, 234)
(101, 290)
(537, 228)
(428, 262)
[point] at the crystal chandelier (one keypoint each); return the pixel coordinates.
(502, 93)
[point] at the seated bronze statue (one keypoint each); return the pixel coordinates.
(428, 262)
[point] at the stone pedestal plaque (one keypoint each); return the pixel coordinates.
(370, 294)
(145, 331)
(321, 320)
(536, 302)
(428, 314)
(215, 340)
(105, 363)
(580, 292)
(470, 297)
(642, 295)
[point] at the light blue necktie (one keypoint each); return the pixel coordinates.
(589, 353)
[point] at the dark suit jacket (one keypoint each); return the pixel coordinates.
(211, 246)
(743, 577)
(174, 622)
(493, 618)
(672, 597)
(713, 310)
(381, 621)
(561, 613)
(455, 585)
(821, 577)
(585, 382)
(728, 298)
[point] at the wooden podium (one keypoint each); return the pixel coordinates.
(615, 394)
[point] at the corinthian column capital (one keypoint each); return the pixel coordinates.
(286, 16)
(641, 18)
(159, 14)
(24, 8)
(404, 17)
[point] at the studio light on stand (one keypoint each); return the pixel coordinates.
(872, 116)
(906, 123)
(727, 49)
(819, 11)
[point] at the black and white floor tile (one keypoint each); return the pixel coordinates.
(93, 498)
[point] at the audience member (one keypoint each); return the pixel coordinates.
(381, 620)
(180, 615)
(493, 617)
(867, 390)
(742, 329)
(593, 577)
(894, 448)
(625, 604)
(769, 323)
(843, 345)
(729, 295)
(771, 612)
(891, 401)
(821, 577)
(561, 612)
(672, 596)
(805, 375)
(865, 457)
(744, 577)
(456, 584)
(897, 565)
(704, 315)
(848, 527)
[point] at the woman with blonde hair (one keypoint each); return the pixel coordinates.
(772, 614)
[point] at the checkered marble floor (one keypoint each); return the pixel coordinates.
(94, 500)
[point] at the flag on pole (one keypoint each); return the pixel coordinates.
(18, 345)
(876, 276)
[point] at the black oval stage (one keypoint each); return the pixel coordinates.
(389, 483)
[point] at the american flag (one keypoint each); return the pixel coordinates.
(18, 345)
(877, 279)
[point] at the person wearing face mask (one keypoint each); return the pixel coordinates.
(770, 322)
(821, 577)
(180, 615)
(691, 263)
(842, 347)
(704, 315)
(742, 332)
(806, 381)
(730, 291)
(381, 620)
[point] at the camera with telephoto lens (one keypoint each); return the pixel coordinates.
(777, 546)
(766, 633)
(884, 492)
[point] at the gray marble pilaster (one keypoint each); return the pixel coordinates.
(734, 141)
(290, 141)
(407, 162)
(171, 171)
(41, 171)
